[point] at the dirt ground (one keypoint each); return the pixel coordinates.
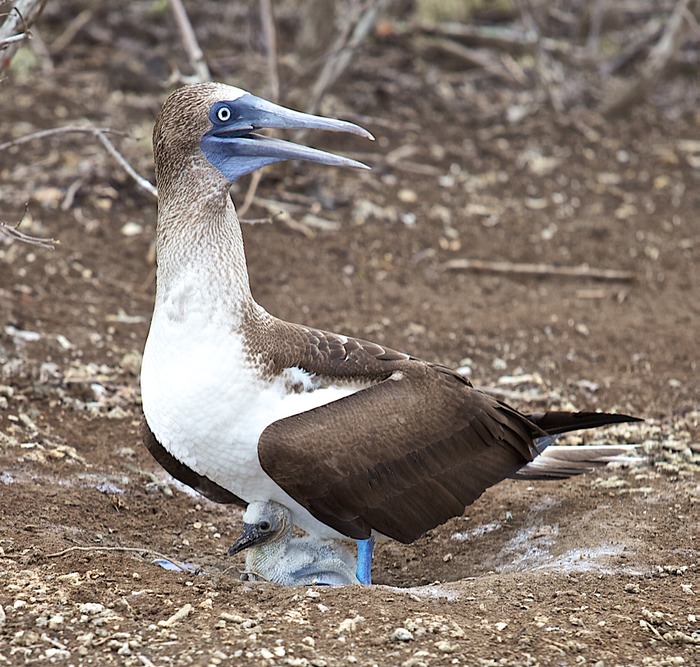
(599, 570)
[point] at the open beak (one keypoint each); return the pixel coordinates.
(234, 148)
(250, 537)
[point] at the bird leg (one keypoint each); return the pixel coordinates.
(364, 560)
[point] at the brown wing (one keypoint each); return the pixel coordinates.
(280, 345)
(399, 457)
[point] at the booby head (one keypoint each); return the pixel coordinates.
(263, 522)
(219, 122)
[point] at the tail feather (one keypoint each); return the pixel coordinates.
(560, 462)
(557, 462)
(555, 423)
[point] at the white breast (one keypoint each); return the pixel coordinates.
(207, 405)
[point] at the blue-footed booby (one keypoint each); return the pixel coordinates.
(355, 439)
(273, 554)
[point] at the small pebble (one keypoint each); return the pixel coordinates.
(91, 608)
(401, 635)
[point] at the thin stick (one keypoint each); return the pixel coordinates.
(582, 271)
(344, 49)
(659, 58)
(596, 22)
(121, 160)
(189, 39)
(66, 129)
(647, 36)
(270, 35)
(545, 65)
(20, 18)
(137, 550)
(101, 134)
(14, 233)
(509, 40)
(12, 39)
(74, 27)
(477, 58)
(250, 193)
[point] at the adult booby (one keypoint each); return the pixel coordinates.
(274, 555)
(355, 439)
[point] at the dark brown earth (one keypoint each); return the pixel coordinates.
(601, 570)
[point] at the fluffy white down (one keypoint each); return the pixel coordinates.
(207, 406)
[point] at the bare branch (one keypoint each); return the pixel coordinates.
(12, 231)
(12, 39)
(72, 29)
(14, 30)
(15, 234)
(270, 35)
(502, 38)
(665, 49)
(351, 37)
(66, 129)
(121, 160)
(189, 39)
(250, 192)
(101, 134)
(480, 58)
(582, 271)
(596, 22)
(546, 68)
(646, 37)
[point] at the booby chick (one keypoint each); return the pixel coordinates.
(273, 554)
(354, 438)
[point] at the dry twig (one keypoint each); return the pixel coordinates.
(478, 58)
(14, 233)
(43, 134)
(61, 42)
(12, 39)
(270, 34)
(14, 30)
(504, 39)
(142, 182)
(596, 23)
(101, 134)
(189, 39)
(546, 68)
(661, 54)
(647, 36)
(280, 213)
(250, 193)
(582, 271)
(358, 25)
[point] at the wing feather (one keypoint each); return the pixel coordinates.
(379, 460)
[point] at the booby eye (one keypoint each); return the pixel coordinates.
(223, 114)
(264, 526)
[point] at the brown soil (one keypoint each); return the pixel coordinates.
(598, 570)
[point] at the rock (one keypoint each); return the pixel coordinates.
(401, 635)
